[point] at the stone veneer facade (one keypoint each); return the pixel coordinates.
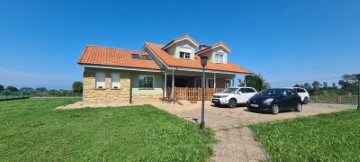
(91, 95)
(146, 98)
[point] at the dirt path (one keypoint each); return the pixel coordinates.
(235, 141)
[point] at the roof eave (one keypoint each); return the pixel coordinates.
(119, 67)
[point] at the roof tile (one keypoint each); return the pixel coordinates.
(169, 60)
(95, 55)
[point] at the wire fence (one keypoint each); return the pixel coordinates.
(349, 99)
(10, 95)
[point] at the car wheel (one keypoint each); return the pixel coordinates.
(306, 100)
(275, 109)
(298, 107)
(232, 103)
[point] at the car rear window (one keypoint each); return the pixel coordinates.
(300, 90)
(250, 90)
(247, 90)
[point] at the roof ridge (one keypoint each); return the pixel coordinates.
(115, 48)
(155, 43)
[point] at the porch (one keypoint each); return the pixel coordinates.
(191, 93)
(184, 85)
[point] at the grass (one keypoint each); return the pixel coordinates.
(32, 131)
(325, 137)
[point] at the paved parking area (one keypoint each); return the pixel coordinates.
(235, 141)
(226, 118)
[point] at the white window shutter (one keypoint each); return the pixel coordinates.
(100, 80)
(188, 50)
(115, 80)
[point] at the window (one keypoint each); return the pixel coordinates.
(146, 81)
(300, 90)
(115, 80)
(135, 56)
(250, 90)
(185, 53)
(227, 83)
(210, 83)
(219, 58)
(100, 80)
(243, 90)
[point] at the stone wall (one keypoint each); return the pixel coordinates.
(146, 98)
(91, 95)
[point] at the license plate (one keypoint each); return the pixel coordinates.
(254, 105)
(215, 100)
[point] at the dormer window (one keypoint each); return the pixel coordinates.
(185, 53)
(219, 58)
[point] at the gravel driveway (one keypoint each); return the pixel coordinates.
(235, 140)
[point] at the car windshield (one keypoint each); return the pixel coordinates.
(230, 90)
(270, 92)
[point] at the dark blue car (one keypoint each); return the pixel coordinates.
(274, 100)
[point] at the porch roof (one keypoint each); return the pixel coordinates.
(171, 61)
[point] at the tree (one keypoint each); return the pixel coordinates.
(241, 83)
(1, 88)
(349, 83)
(316, 88)
(77, 87)
(257, 82)
(265, 84)
(334, 86)
(42, 89)
(325, 85)
(5, 93)
(297, 85)
(307, 86)
(11, 88)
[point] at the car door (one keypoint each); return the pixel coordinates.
(241, 95)
(293, 97)
(285, 100)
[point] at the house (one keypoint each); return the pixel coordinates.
(114, 75)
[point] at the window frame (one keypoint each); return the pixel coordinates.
(145, 76)
(118, 85)
(217, 59)
(185, 52)
(100, 84)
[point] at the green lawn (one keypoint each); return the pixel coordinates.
(32, 131)
(325, 137)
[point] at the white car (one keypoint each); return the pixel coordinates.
(305, 97)
(233, 96)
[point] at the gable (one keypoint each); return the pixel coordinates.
(182, 46)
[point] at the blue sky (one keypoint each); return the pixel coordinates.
(285, 41)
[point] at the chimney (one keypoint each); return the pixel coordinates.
(203, 46)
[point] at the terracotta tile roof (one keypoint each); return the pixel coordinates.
(181, 38)
(214, 46)
(169, 60)
(95, 55)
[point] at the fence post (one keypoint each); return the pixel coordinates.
(340, 99)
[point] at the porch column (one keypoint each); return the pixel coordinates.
(233, 81)
(165, 84)
(173, 84)
(214, 80)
